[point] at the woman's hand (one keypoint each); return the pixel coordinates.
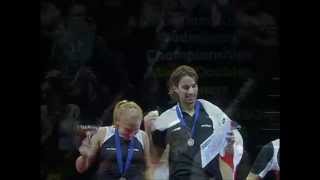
(85, 148)
(149, 120)
(89, 149)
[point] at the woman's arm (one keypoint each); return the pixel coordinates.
(148, 173)
(155, 150)
(88, 150)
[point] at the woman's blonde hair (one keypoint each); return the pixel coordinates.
(124, 105)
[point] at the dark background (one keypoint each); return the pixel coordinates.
(234, 47)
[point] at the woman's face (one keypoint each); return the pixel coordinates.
(129, 123)
(187, 90)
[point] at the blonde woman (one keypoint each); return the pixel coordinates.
(121, 150)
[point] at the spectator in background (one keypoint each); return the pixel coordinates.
(50, 20)
(258, 31)
(50, 16)
(151, 13)
(84, 60)
(257, 25)
(58, 122)
(74, 47)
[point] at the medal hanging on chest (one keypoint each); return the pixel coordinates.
(191, 140)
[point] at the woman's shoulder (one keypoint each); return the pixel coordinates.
(142, 137)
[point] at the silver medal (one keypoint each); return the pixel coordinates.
(190, 142)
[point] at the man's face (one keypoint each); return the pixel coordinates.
(187, 90)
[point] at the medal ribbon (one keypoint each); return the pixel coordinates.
(122, 169)
(195, 118)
